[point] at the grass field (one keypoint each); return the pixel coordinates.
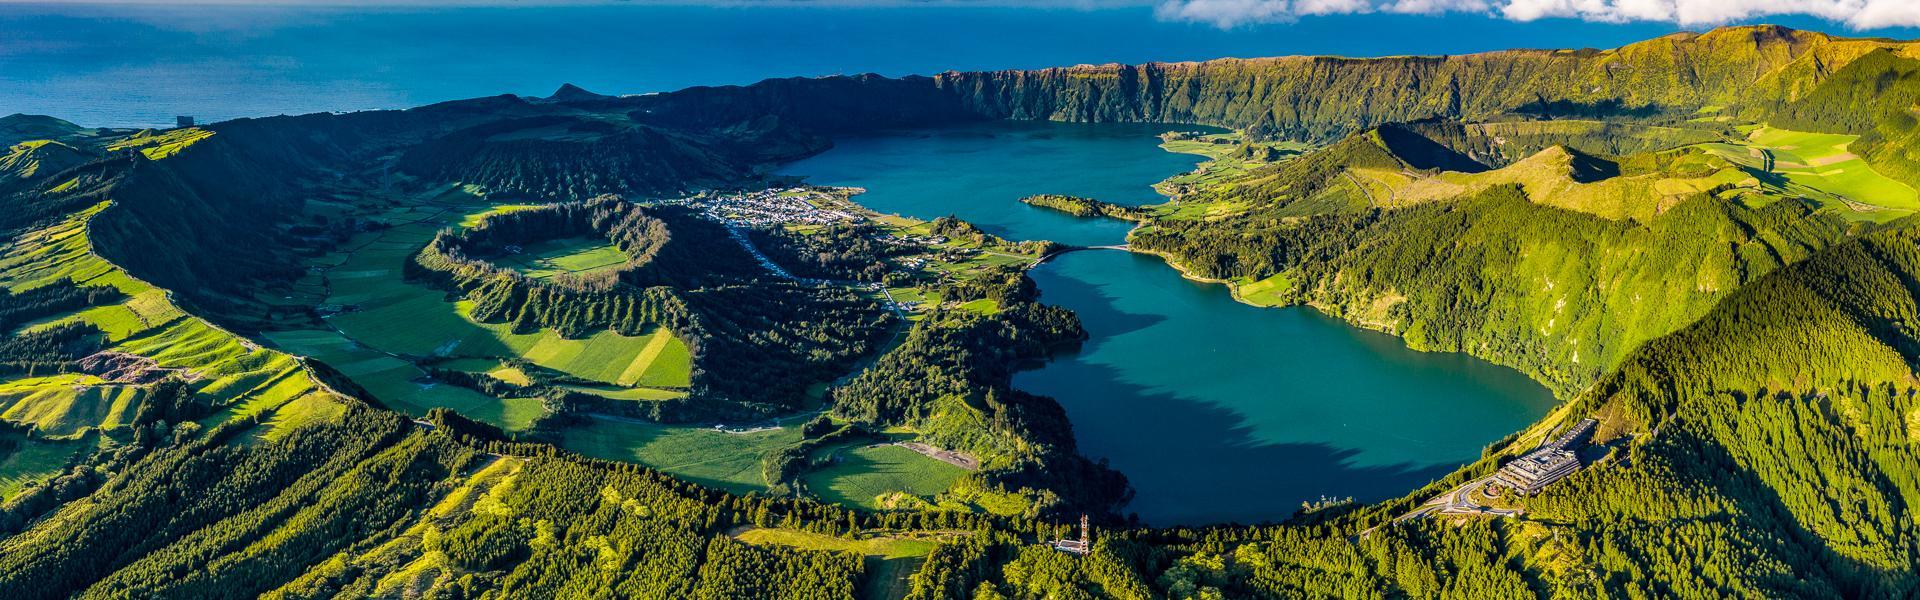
(1822, 162)
(68, 405)
(1224, 164)
(566, 256)
(729, 461)
(864, 474)
(400, 384)
(891, 557)
(231, 372)
(161, 145)
(33, 460)
(1265, 292)
(390, 323)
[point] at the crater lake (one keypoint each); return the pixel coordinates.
(1216, 411)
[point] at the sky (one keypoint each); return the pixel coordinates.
(139, 64)
(1228, 14)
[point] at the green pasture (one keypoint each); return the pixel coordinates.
(24, 461)
(1822, 164)
(571, 256)
(865, 473)
(729, 461)
(161, 145)
(403, 386)
(1271, 291)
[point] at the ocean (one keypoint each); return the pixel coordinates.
(136, 66)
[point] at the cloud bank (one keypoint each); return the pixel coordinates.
(1858, 14)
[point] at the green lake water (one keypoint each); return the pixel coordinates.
(1216, 411)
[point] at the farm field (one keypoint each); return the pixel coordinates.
(864, 474)
(1822, 162)
(399, 384)
(386, 324)
(729, 461)
(1264, 292)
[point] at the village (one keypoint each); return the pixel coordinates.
(926, 253)
(769, 207)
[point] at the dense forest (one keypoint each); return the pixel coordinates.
(843, 251)
(1084, 207)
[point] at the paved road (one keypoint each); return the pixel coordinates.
(1459, 501)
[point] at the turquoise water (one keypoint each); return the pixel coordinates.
(1216, 411)
(980, 172)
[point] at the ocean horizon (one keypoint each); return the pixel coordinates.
(140, 66)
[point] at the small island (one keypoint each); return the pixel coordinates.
(1087, 207)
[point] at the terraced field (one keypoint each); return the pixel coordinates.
(67, 409)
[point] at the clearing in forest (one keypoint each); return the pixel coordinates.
(863, 475)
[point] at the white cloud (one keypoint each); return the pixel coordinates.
(1434, 7)
(1332, 7)
(1858, 14)
(1225, 14)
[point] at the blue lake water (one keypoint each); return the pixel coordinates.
(1215, 410)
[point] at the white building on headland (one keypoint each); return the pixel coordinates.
(1551, 462)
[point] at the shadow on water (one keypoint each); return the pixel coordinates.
(1195, 462)
(1110, 319)
(1218, 411)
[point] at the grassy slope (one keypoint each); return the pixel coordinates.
(229, 371)
(729, 461)
(163, 144)
(34, 460)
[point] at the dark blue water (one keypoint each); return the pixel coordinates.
(132, 65)
(1215, 410)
